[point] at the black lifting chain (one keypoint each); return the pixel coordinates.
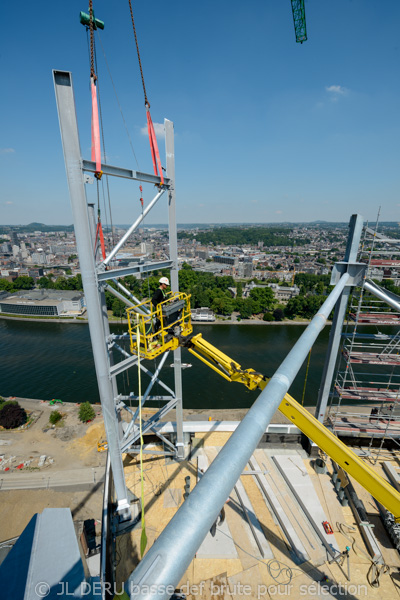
(146, 102)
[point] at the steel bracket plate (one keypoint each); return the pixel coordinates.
(355, 270)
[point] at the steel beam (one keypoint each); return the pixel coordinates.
(355, 230)
(140, 268)
(165, 563)
(90, 166)
(121, 297)
(381, 238)
(83, 233)
(163, 439)
(131, 296)
(173, 254)
(131, 361)
(136, 449)
(143, 399)
(123, 366)
(133, 228)
(149, 424)
(93, 228)
(392, 299)
(149, 399)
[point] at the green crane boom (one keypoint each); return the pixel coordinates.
(299, 19)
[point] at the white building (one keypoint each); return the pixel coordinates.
(50, 303)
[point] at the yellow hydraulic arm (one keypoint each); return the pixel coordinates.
(175, 330)
(378, 487)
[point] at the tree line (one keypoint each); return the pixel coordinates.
(50, 283)
(206, 290)
(238, 236)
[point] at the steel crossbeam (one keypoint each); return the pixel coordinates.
(90, 167)
(139, 268)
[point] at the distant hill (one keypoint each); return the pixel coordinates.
(35, 227)
(392, 225)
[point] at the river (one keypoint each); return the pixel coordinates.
(54, 360)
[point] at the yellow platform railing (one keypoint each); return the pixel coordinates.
(159, 327)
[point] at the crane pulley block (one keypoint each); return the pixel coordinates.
(84, 18)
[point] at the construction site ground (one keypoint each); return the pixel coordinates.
(230, 566)
(73, 448)
(71, 474)
(71, 451)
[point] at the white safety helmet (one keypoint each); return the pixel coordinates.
(164, 280)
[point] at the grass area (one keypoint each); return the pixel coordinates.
(114, 319)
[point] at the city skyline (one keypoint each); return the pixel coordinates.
(266, 130)
(124, 226)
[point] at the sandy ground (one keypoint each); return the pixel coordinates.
(17, 507)
(73, 445)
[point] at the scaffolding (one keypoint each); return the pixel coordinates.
(365, 397)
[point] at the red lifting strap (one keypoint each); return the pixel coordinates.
(99, 233)
(96, 151)
(141, 197)
(155, 155)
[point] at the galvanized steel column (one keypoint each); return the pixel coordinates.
(173, 255)
(353, 241)
(83, 234)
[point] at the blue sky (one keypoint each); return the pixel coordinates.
(266, 130)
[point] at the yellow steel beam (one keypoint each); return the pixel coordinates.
(366, 476)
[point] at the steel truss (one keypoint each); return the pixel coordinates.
(96, 275)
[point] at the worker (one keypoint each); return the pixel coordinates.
(373, 415)
(158, 297)
(221, 518)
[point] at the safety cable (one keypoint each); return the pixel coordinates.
(155, 155)
(143, 537)
(104, 155)
(118, 102)
(273, 565)
(376, 570)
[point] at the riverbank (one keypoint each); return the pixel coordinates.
(223, 321)
(67, 320)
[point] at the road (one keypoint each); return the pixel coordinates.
(71, 479)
